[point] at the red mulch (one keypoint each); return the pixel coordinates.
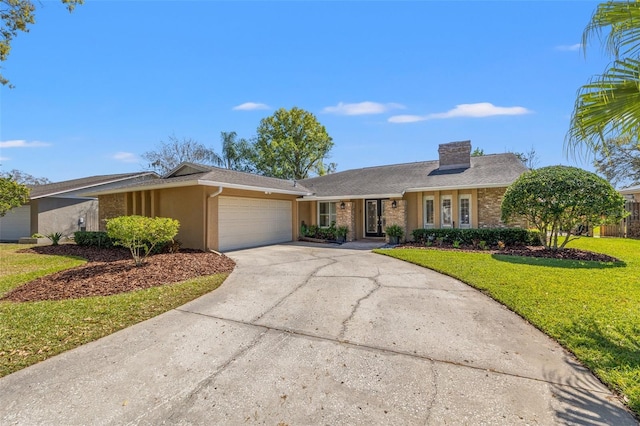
(530, 251)
(112, 271)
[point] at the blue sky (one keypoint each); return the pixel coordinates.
(390, 80)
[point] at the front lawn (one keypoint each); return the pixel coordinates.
(591, 308)
(33, 331)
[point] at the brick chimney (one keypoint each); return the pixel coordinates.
(455, 155)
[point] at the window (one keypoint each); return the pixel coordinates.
(465, 211)
(445, 212)
(326, 214)
(429, 212)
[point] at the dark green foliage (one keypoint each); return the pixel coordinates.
(93, 239)
(330, 233)
(472, 237)
(556, 200)
(394, 231)
(12, 194)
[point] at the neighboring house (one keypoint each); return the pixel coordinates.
(631, 193)
(222, 210)
(62, 207)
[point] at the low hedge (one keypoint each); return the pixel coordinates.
(93, 239)
(490, 236)
(102, 240)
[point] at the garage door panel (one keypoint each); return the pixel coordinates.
(250, 222)
(16, 224)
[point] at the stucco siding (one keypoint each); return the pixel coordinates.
(63, 215)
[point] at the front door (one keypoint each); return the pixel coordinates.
(374, 220)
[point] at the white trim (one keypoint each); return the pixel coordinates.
(424, 211)
(460, 198)
(456, 187)
(181, 184)
(442, 199)
(50, 194)
(348, 197)
(335, 203)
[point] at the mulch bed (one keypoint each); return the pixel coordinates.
(112, 271)
(529, 251)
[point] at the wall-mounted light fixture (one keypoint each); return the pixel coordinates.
(394, 204)
(342, 205)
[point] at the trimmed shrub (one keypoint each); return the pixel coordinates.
(93, 239)
(141, 234)
(491, 236)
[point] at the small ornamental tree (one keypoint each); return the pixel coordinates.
(141, 234)
(556, 199)
(12, 194)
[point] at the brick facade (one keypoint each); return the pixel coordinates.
(397, 215)
(490, 209)
(347, 217)
(110, 206)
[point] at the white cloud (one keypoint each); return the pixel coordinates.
(125, 157)
(478, 110)
(22, 144)
(250, 106)
(406, 118)
(361, 108)
(5, 158)
(482, 109)
(569, 47)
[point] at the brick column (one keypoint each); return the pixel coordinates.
(110, 206)
(397, 216)
(347, 217)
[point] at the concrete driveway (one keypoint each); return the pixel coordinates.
(304, 335)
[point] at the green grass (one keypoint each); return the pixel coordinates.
(34, 331)
(591, 308)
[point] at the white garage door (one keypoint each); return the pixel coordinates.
(16, 224)
(250, 222)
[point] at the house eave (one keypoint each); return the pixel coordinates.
(80, 188)
(198, 182)
(348, 197)
(456, 187)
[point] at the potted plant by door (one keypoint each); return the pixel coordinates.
(341, 233)
(395, 233)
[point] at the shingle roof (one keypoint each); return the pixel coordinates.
(215, 176)
(495, 170)
(49, 189)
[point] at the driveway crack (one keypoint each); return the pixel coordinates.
(188, 399)
(376, 287)
(296, 288)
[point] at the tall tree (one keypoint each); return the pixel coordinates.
(609, 105)
(24, 178)
(618, 160)
(17, 15)
(291, 144)
(529, 158)
(236, 153)
(170, 154)
(12, 194)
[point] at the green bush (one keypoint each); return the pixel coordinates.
(491, 236)
(394, 231)
(55, 237)
(93, 239)
(330, 233)
(141, 234)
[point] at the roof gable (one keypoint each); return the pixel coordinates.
(91, 182)
(185, 169)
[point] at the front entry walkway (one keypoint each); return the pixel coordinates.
(304, 335)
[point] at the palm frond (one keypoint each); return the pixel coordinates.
(607, 106)
(622, 19)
